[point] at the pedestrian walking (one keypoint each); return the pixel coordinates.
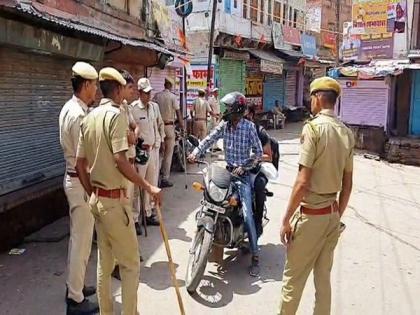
(200, 110)
(146, 120)
(325, 174)
(83, 81)
(103, 169)
(168, 106)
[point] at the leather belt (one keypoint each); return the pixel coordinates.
(327, 210)
(200, 119)
(168, 123)
(111, 194)
(72, 174)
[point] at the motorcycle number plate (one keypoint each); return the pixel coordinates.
(212, 207)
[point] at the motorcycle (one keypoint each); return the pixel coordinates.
(219, 219)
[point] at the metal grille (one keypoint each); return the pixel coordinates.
(33, 89)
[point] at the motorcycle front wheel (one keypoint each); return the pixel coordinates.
(197, 261)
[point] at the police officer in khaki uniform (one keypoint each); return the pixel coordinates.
(103, 169)
(325, 175)
(201, 108)
(215, 107)
(84, 81)
(145, 117)
(169, 106)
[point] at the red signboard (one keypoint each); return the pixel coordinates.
(329, 40)
(291, 35)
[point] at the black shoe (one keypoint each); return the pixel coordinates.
(116, 273)
(84, 307)
(164, 183)
(152, 220)
(254, 269)
(89, 291)
(138, 228)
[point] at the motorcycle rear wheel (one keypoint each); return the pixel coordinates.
(197, 261)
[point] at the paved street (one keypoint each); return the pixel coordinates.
(376, 269)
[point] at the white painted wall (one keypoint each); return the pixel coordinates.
(401, 41)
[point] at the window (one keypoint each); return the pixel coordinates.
(295, 17)
(262, 12)
(254, 10)
(415, 40)
(290, 16)
(277, 12)
(269, 10)
(245, 9)
(235, 4)
(284, 13)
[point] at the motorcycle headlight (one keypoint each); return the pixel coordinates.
(216, 193)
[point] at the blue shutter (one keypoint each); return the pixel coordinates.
(273, 91)
(415, 105)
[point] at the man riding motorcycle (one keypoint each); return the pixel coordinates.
(260, 181)
(239, 138)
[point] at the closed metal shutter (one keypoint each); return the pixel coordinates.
(364, 103)
(33, 89)
(157, 77)
(291, 78)
(273, 91)
(232, 77)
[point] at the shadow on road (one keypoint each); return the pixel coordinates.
(218, 288)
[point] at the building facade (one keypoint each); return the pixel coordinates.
(39, 43)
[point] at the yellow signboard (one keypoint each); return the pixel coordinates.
(370, 16)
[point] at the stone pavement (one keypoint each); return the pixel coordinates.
(376, 268)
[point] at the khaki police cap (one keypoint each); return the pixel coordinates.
(112, 74)
(170, 80)
(144, 85)
(84, 70)
(325, 84)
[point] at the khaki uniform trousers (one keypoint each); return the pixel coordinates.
(169, 151)
(81, 233)
(150, 172)
(200, 129)
(312, 248)
(117, 241)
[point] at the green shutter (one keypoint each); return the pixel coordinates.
(232, 77)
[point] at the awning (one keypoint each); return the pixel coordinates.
(64, 21)
(270, 63)
(290, 54)
(266, 55)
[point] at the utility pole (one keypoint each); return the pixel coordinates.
(211, 44)
(337, 47)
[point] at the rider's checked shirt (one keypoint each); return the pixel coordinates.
(237, 142)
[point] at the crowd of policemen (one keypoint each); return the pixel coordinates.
(104, 177)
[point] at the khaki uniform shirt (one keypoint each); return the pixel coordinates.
(215, 105)
(327, 148)
(126, 109)
(104, 133)
(146, 120)
(201, 107)
(168, 105)
(159, 121)
(70, 118)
